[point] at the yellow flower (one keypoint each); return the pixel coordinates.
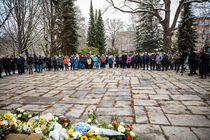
(71, 139)
(19, 121)
(90, 133)
(50, 118)
(84, 138)
(8, 116)
(0, 122)
(0, 117)
(11, 123)
(29, 123)
(43, 127)
(92, 139)
(70, 131)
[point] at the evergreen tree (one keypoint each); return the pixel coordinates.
(100, 34)
(67, 26)
(148, 32)
(91, 38)
(186, 31)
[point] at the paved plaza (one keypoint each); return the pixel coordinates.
(160, 105)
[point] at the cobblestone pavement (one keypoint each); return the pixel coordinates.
(160, 105)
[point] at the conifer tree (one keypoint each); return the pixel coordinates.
(91, 37)
(186, 31)
(100, 34)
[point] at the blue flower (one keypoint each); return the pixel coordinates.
(82, 128)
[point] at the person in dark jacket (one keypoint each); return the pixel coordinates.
(30, 61)
(54, 61)
(1, 65)
(191, 61)
(60, 62)
(72, 62)
(19, 63)
(6, 65)
(137, 61)
(124, 60)
(48, 62)
(145, 60)
(133, 61)
(35, 63)
(12, 64)
(23, 62)
(117, 61)
(40, 64)
(181, 62)
(152, 61)
(82, 62)
(203, 64)
(165, 62)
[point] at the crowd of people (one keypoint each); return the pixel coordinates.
(147, 61)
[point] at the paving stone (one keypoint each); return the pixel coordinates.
(194, 103)
(80, 93)
(122, 104)
(202, 133)
(175, 109)
(80, 101)
(148, 132)
(186, 97)
(200, 109)
(99, 90)
(35, 108)
(145, 102)
(183, 133)
(140, 114)
(188, 120)
(159, 97)
(114, 111)
(39, 100)
(76, 111)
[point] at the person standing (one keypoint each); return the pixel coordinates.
(19, 64)
(191, 61)
(30, 64)
(129, 58)
(203, 64)
(40, 64)
(89, 61)
(72, 62)
(65, 61)
(95, 61)
(54, 61)
(145, 61)
(164, 62)
(60, 62)
(152, 61)
(23, 63)
(12, 64)
(181, 63)
(6, 65)
(110, 61)
(158, 61)
(117, 61)
(35, 63)
(124, 60)
(48, 62)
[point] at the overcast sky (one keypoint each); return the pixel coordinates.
(102, 4)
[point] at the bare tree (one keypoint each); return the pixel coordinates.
(22, 26)
(113, 26)
(162, 11)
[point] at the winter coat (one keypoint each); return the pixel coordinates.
(158, 59)
(146, 58)
(60, 61)
(124, 58)
(30, 60)
(165, 59)
(95, 59)
(54, 61)
(65, 61)
(19, 61)
(72, 60)
(152, 57)
(129, 59)
(110, 60)
(89, 61)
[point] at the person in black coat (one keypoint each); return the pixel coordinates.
(12, 64)
(152, 61)
(165, 62)
(30, 62)
(1, 65)
(6, 65)
(133, 61)
(48, 62)
(117, 61)
(191, 62)
(35, 63)
(145, 61)
(181, 63)
(203, 64)
(124, 60)
(23, 62)
(19, 63)
(137, 61)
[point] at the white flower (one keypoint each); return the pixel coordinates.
(122, 123)
(29, 115)
(121, 128)
(18, 109)
(66, 136)
(56, 119)
(19, 115)
(4, 122)
(132, 134)
(38, 130)
(97, 122)
(76, 135)
(89, 120)
(25, 127)
(110, 126)
(21, 110)
(25, 113)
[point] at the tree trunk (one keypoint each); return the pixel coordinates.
(166, 41)
(52, 30)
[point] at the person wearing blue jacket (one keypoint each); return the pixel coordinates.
(110, 61)
(72, 62)
(19, 64)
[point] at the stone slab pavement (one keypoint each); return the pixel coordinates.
(159, 105)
